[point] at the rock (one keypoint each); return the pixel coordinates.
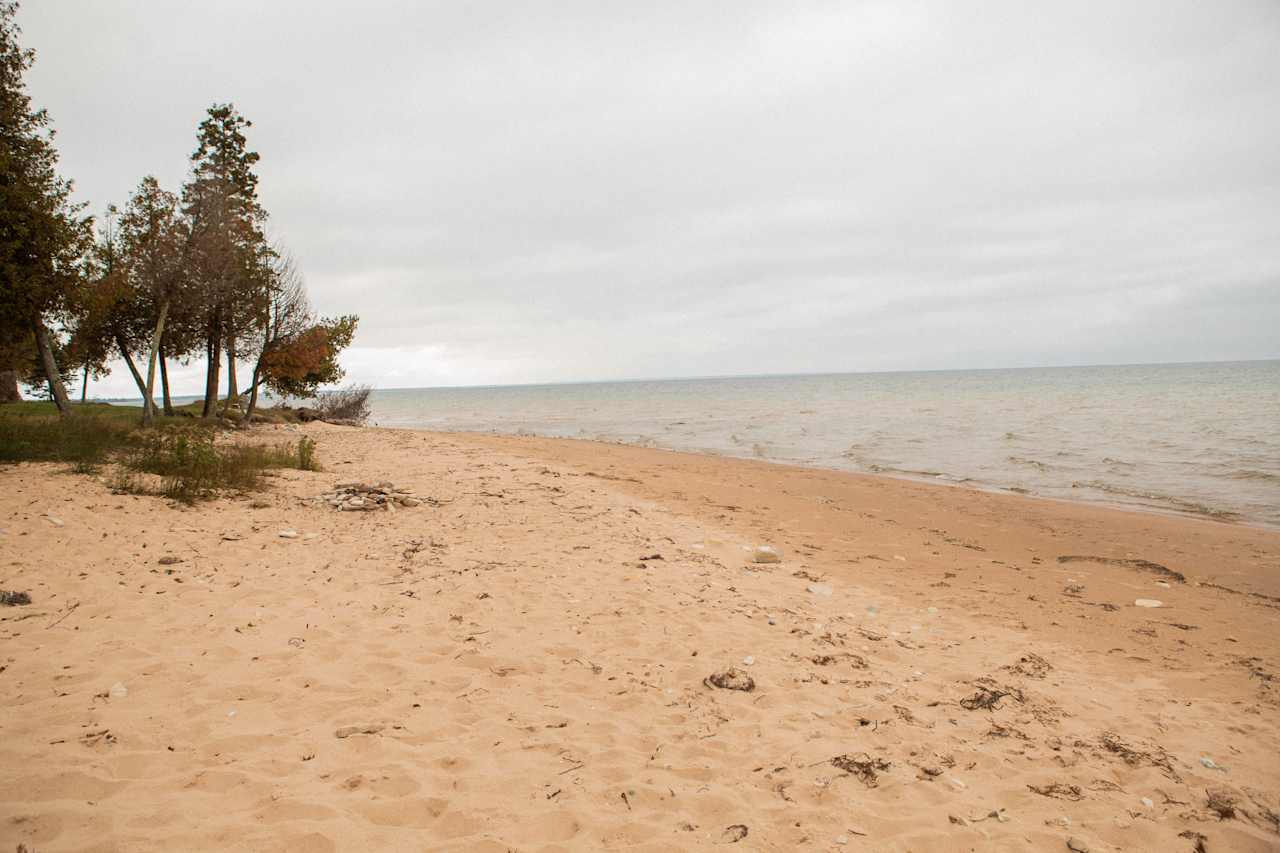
(842, 839)
(765, 554)
(1148, 602)
(259, 503)
(1147, 803)
(118, 691)
(54, 520)
(731, 679)
(169, 560)
(819, 588)
(748, 660)
(11, 598)
(1077, 845)
(348, 731)
(288, 534)
(409, 500)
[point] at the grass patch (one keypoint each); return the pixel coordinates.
(86, 442)
(193, 466)
(183, 453)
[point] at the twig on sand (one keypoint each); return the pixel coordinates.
(67, 613)
(571, 769)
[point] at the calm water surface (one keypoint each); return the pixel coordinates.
(1198, 439)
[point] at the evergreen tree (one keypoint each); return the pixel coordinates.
(43, 234)
(229, 252)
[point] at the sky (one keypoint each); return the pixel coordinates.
(512, 193)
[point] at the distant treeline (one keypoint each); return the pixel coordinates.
(168, 276)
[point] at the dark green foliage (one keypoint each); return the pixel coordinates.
(43, 234)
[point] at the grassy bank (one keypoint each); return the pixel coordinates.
(179, 457)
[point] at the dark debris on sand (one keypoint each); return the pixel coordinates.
(731, 679)
(863, 766)
(12, 598)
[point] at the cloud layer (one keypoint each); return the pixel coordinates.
(592, 191)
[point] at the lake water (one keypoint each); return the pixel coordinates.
(1197, 439)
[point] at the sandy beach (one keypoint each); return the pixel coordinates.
(528, 660)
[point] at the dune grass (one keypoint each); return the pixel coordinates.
(183, 453)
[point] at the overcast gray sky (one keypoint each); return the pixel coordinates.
(520, 192)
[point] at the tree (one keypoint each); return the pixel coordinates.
(280, 320)
(220, 201)
(309, 359)
(154, 244)
(43, 234)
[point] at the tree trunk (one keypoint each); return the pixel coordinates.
(233, 389)
(56, 389)
(253, 392)
(84, 386)
(147, 403)
(149, 412)
(164, 383)
(213, 353)
(9, 392)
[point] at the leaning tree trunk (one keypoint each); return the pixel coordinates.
(253, 392)
(9, 392)
(164, 383)
(56, 389)
(213, 353)
(147, 403)
(149, 411)
(84, 386)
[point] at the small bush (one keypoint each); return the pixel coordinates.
(194, 466)
(345, 404)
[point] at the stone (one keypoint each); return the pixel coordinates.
(819, 588)
(1148, 602)
(1077, 845)
(348, 731)
(731, 679)
(169, 560)
(766, 554)
(288, 534)
(118, 691)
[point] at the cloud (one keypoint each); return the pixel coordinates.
(517, 194)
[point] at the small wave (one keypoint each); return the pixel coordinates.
(1110, 460)
(906, 472)
(1034, 463)
(1160, 501)
(1250, 474)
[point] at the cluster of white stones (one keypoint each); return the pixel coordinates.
(364, 497)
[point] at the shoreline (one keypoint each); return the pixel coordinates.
(1224, 517)
(526, 659)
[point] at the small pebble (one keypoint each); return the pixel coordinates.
(118, 691)
(1147, 802)
(842, 839)
(748, 660)
(288, 534)
(1148, 602)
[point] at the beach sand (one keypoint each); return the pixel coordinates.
(520, 662)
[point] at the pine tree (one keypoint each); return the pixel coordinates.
(43, 234)
(228, 248)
